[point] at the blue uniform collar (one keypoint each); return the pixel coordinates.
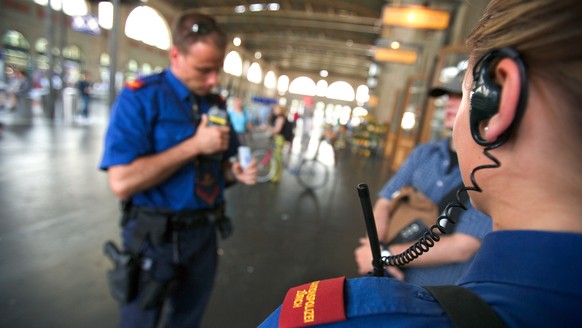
(539, 259)
(181, 91)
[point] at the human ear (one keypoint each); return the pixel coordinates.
(507, 76)
(173, 53)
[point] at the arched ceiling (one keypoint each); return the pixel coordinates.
(303, 36)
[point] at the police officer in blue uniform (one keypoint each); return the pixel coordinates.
(518, 140)
(167, 152)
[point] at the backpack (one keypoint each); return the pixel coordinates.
(287, 130)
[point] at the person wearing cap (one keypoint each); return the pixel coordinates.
(167, 154)
(433, 169)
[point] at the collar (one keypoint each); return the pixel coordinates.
(528, 258)
(181, 91)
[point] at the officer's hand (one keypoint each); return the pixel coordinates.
(211, 139)
(248, 176)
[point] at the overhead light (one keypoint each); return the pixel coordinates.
(395, 45)
(359, 111)
(395, 56)
(273, 6)
(236, 41)
(372, 82)
(373, 69)
(323, 73)
(408, 121)
(256, 7)
(416, 17)
(240, 9)
(258, 55)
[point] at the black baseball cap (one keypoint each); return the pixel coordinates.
(454, 86)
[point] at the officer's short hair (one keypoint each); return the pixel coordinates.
(191, 27)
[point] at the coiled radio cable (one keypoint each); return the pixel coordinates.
(432, 236)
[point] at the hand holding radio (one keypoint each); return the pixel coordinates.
(213, 133)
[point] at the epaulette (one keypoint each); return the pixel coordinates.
(134, 85)
(144, 81)
(317, 303)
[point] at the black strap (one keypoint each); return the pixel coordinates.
(465, 308)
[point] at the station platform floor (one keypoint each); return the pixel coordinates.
(56, 211)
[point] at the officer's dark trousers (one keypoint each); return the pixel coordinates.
(187, 300)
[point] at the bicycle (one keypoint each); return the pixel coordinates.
(309, 172)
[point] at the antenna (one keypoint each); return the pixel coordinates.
(364, 194)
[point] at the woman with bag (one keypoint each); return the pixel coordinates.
(430, 173)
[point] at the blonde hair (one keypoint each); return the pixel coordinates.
(548, 36)
(282, 109)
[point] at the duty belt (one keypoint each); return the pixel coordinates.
(179, 220)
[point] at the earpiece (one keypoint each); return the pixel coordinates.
(485, 95)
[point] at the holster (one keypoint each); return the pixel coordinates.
(224, 226)
(123, 278)
(221, 222)
(132, 274)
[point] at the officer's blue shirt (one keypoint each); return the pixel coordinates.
(427, 168)
(530, 278)
(152, 115)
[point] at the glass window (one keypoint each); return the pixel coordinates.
(341, 90)
(233, 64)
(303, 86)
(145, 24)
(255, 74)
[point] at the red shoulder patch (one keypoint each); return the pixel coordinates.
(317, 303)
(134, 85)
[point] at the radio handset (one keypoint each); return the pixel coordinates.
(364, 194)
(217, 117)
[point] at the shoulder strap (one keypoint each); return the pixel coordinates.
(465, 308)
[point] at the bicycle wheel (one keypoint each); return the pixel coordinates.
(312, 174)
(266, 164)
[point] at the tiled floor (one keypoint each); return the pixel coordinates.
(56, 211)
